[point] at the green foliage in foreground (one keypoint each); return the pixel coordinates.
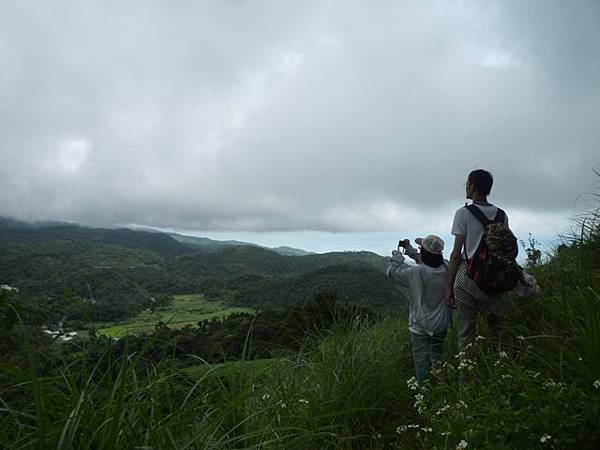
(350, 389)
(183, 310)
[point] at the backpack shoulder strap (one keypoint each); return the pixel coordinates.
(479, 215)
(500, 215)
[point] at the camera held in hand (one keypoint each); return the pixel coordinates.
(403, 243)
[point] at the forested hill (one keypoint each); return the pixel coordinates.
(245, 260)
(65, 270)
(63, 235)
(210, 245)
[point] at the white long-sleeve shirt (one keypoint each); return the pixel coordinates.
(428, 312)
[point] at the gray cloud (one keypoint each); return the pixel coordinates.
(339, 116)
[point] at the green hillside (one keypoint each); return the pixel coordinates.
(317, 376)
(96, 275)
(350, 387)
(355, 284)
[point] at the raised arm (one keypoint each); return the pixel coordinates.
(398, 270)
(459, 242)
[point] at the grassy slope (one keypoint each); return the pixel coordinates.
(349, 390)
(185, 310)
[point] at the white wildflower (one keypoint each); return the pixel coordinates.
(442, 410)
(303, 401)
(266, 396)
(545, 438)
(560, 386)
(506, 377)
(412, 384)
(445, 433)
(503, 354)
(462, 444)
(401, 429)
(419, 404)
(427, 429)
(597, 384)
(580, 359)
(466, 364)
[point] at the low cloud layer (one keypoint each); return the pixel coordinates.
(278, 116)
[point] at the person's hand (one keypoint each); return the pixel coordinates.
(397, 256)
(450, 299)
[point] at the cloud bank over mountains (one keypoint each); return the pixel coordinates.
(279, 116)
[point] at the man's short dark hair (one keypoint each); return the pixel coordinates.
(431, 260)
(482, 181)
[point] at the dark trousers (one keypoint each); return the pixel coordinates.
(427, 351)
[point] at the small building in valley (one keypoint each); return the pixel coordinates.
(6, 287)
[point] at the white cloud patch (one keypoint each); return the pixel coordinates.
(71, 156)
(498, 59)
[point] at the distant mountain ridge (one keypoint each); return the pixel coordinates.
(203, 243)
(35, 225)
(211, 245)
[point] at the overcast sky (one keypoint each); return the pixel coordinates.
(286, 118)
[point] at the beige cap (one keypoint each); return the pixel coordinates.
(432, 244)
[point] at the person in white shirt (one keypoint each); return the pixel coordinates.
(429, 315)
(461, 290)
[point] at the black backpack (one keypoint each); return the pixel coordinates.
(493, 266)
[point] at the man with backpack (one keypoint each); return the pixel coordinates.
(429, 315)
(482, 264)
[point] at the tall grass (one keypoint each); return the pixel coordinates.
(335, 396)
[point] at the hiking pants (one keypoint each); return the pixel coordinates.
(427, 351)
(470, 300)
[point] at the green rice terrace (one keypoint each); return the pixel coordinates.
(183, 310)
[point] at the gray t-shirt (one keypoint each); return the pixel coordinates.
(466, 224)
